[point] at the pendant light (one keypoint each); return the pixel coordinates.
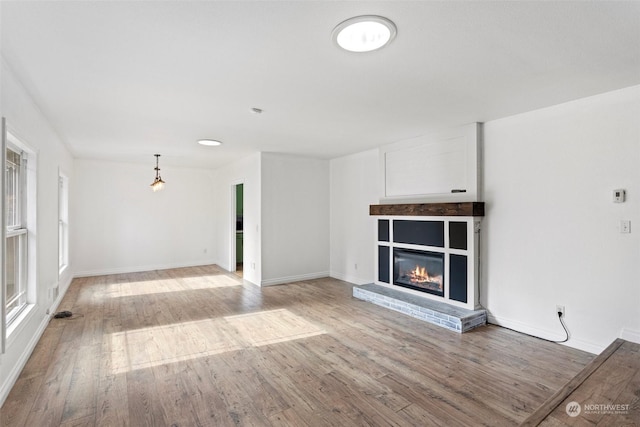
(158, 183)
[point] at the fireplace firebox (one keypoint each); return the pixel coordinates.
(419, 270)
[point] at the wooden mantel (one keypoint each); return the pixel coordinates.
(429, 209)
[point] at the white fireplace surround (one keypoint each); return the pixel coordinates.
(471, 252)
(451, 229)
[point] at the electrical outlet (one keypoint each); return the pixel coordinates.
(560, 309)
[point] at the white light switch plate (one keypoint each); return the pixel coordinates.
(625, 226)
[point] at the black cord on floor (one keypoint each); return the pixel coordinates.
(566, 331)
(75, 316)
(67, 315)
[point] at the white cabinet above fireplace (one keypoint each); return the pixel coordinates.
(441, 167)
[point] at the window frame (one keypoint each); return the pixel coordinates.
(24, 230)
(63, 222)
(3, 318)
(18, 229)
(22, 279)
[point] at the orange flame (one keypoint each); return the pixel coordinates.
(421, 275)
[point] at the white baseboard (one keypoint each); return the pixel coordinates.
(349, 278)
(137, 269)
(630, 335)
(16, 369)
(289, 279)
(544, 333)
(249, 282)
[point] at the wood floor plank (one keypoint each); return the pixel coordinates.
(198, 347)
(238, 407)
(290, 380)
(448, 380)
(443, 405)
(174, 399)
(88, 421)
(629, 396)
(289, 417)
(143, 397)
(80, 401)
(112, 404)
(15, 411)
(205, 396)
(38, 363)
(264, 397)
(48, 405)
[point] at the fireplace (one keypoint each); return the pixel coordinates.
(428, 263)
(430, 250)
(419, 270)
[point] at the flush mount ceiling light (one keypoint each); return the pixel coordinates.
(364, 33)
(158, 183)
(209, 142)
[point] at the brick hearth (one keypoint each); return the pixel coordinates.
(438, 313)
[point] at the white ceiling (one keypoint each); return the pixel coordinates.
(124, 80)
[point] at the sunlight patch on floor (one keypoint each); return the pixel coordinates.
(128, 289)
(160, 345)
(270, 327)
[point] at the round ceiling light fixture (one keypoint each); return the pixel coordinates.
(364, 33)
(209, 142)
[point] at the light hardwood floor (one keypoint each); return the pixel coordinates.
(196, 347)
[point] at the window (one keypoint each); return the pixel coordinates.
(16, 233)
(19, 230)
(63, 222)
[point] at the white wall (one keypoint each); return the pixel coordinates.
(354, 186)
(551, 229)
(27, 123)
(295, 218)
(247, 172)
(121, 225)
